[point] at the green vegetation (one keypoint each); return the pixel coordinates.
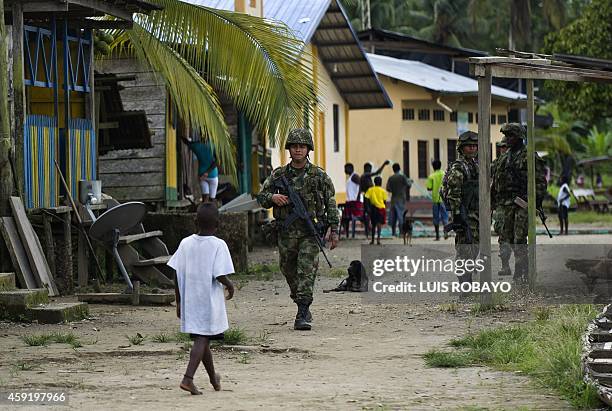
(162, 338)
(46, 339)
(547, 349)
(586, 217)
(135, 339)
(259, 272)
(235, 336)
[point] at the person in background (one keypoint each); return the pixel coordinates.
(398, 185)
(377, 197)
(563, 204)
(365, 182)
(353, 208)
(434, 182)
(207, 167)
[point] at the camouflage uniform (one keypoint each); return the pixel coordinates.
(498, 216)
(462, 182)
(510, 181)
(299, 253)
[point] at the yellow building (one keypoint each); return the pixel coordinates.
(431, 107)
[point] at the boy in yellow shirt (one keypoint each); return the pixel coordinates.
(377, 196)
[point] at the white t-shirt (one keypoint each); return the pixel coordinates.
(563, 191)
(198, 261)
(352, 189)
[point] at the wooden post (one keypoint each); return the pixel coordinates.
(531, 189)
(19, 99)
(136, 293)
(68, 250)
(49, 243)
(484, 177)
(82, 261)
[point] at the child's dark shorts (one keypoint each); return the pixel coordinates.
(210, 337)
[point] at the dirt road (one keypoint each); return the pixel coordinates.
(358, 356)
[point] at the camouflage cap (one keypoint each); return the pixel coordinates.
(513, 129)
(467, 137)
(299, 136)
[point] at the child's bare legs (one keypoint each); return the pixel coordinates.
(199, 352)
(207, 360)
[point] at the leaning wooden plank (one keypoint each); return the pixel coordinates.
(37, 259)
(17, 253)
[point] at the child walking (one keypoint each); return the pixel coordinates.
(377, 196)
(202, 263)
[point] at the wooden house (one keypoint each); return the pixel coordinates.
(51, 56)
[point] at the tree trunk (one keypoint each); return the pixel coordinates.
(6, 175)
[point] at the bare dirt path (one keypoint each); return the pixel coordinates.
(358, 356)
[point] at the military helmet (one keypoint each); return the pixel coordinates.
(467, 137)
(503, 142)
(513, 129)
(299, 136)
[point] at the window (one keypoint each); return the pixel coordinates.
(406, 156)
(423, 163)
(438, 115)
(492, 118)
(451, 150)
(470, 117)
(453, 116)
(436, 148)
(407, 114)
(336, 129)
(501, 119)
(424, 114)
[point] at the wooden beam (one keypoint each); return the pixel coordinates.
(102, 24)
(484, 177)
(549, 73)
(45, 6)
(531, 186)
(515, 60)
(19, 97)
(105, 7)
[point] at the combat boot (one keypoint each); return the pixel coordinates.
(301, 318)
(308, 314)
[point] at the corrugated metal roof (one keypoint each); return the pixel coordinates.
(301, 16)
(433, 78)
(325, 23)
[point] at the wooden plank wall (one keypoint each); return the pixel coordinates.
(137, 174)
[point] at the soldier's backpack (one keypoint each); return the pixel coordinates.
(357, 280)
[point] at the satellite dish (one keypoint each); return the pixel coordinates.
(115, 222)
(122, 218)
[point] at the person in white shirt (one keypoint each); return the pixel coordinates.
(563, 204)
(353, 208)
(202, 263)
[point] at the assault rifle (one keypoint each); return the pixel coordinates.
(523, 204)
(465, 226)
(299, 212)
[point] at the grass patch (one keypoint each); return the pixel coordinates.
(547, 349)
(135, 339)
(235, 336)
(449, 308)
(337, 272)
(590, 217)
(162, 338)
(181, 337)
(46, 339)
(445, 359)
(259, 272)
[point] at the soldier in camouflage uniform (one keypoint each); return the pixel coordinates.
(299, 253)
(462, 195)
(498, 216)
(510, 181)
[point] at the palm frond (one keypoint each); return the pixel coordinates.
(259, 64)
(195, 99)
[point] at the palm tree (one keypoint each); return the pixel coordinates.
(200, 51)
